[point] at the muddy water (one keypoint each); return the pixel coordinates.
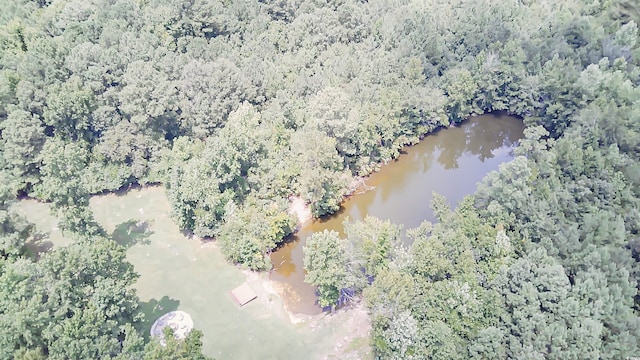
(450, 162)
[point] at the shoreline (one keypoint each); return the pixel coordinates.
(268, 289)
(350, 325)
(301, 210)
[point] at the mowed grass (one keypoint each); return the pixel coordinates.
(181, 273)
(47, 233)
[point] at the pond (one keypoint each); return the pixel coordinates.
(450, 162)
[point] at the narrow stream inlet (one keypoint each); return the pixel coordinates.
(450, 162)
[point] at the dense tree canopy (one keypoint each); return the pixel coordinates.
(237, 105)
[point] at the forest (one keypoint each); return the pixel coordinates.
(235, 106)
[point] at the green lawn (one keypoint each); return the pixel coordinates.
(47, 232)
(181, 273)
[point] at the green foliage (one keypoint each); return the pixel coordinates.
(375, 241)
(392, 292)
(341, 268)
(189, 348)
(461, 89)
(210, 91)
(204, 178)
(62, 184)
(250, 233)
(325, 261)
(14, 229)
(68, 111)
(544, 318)
(321, 180)
(72, 303)
(22, 140)
(61, 174)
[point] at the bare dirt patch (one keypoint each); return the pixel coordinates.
(352, 332)
(300, 209)
(348, 329)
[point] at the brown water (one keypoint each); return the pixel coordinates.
(450, 162)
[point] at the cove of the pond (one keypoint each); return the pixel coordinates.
(450, 162)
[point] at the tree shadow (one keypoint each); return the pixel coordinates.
(132, 232)
(125, 189)
(38, 244)
(153, 309)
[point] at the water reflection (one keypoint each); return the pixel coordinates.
(450, 162)
(480, 136)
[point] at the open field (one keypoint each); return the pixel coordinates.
(179, 273)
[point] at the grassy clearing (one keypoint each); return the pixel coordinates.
(47, 232)
(181, 273)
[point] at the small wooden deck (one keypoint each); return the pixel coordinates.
(243, 294)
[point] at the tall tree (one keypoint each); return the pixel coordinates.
(75, 302)
(14, 229)
(325, 261)
(63, 185)
(23, 138)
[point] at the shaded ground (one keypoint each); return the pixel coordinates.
(47, 233)
(178, 273)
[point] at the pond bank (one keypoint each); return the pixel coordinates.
(449, 161)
